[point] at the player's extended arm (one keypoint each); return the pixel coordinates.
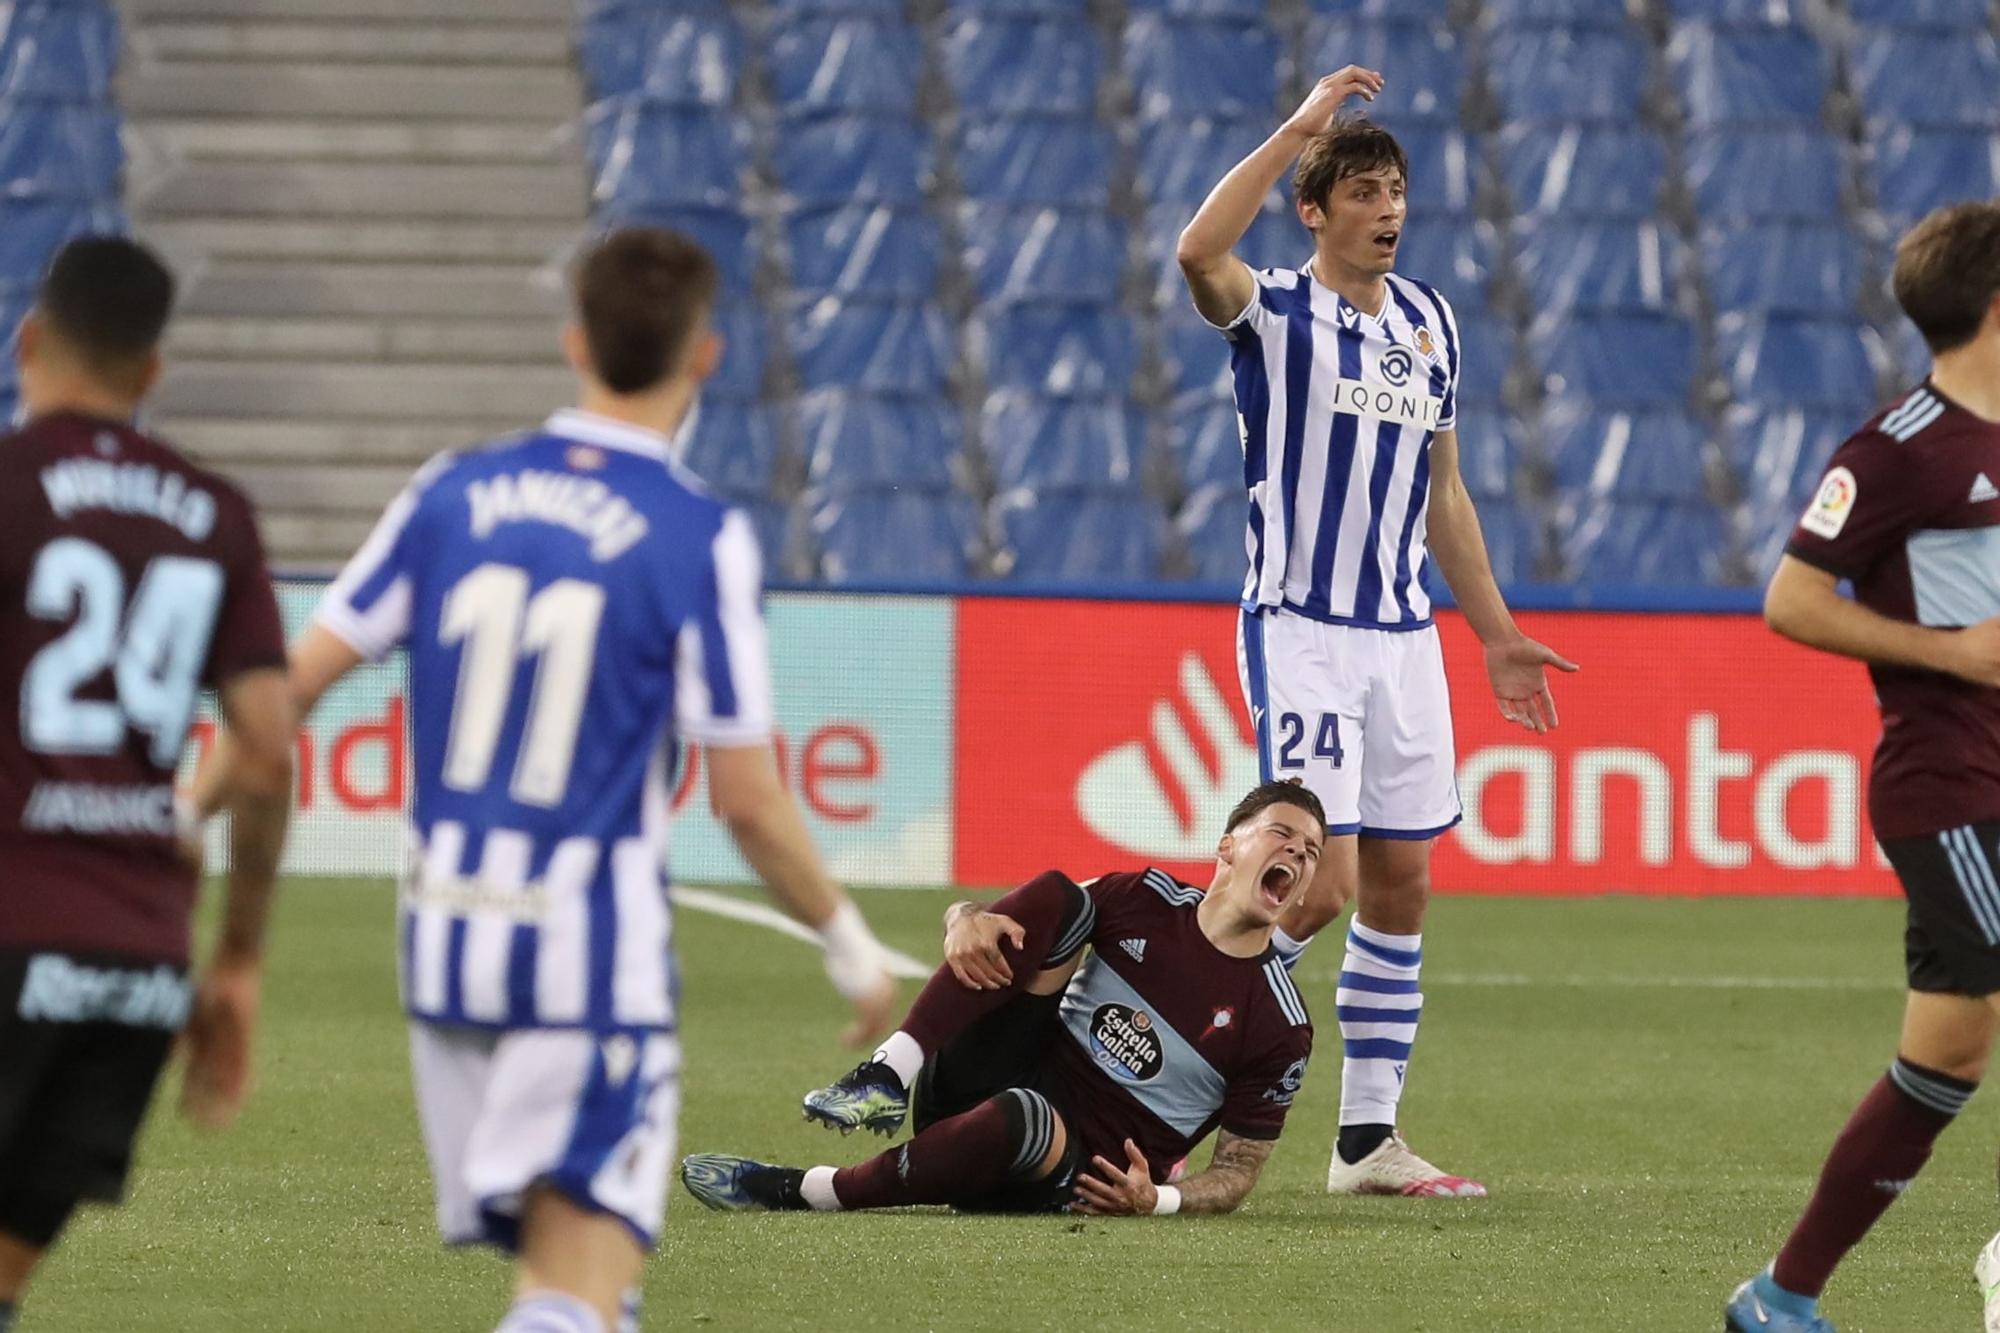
(257, 788)
(1514, 661)
(1221, 283)
(751, 800)
(318, 658)
(1232, 1173)
(1110, 1190)
(1804, 604)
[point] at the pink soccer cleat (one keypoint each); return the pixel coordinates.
(1393, 1169)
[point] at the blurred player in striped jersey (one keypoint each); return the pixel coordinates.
(575, 607)
(1346, 379)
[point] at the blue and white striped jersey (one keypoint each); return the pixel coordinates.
(1338, 408)
(573, 605)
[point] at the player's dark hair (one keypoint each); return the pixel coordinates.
(1351, 146)
(640, 294)
(107, 298)
(1948, 272)
(1267, 794)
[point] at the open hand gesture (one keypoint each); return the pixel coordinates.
(1117, 1192)
(1516, 668)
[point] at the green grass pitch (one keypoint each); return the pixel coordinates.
(1648, 1123)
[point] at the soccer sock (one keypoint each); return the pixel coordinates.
(817, 1189)
(547, 1311)
(958, 1160)
(1879, 1152)
(1378, 1004)
(902, 1054)
(1288, 949)
(1057, 918)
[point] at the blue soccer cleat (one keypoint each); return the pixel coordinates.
(869, 1097)
(737, 1183)
(1757, 1305)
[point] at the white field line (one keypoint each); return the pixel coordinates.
(721, 904)
(902, 965)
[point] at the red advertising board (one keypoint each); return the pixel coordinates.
(1697, 754)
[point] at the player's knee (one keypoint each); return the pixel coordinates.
(1036, 1133)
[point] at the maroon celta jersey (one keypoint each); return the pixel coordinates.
(1165, 1037)
(130, 579)
(1910, 513)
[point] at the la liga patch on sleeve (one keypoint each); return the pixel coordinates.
(1827, 514)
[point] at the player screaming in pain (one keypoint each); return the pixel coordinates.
(136, 580)
(1079, 1040)
(1346, 379)
(1909, 513)
(575, 607)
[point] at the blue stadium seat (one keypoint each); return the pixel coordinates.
(1065, 350)
(864, 250)
(1486, 353)
(645, 156)
(32, 230)
(1454, 256)
(793, 10)
(1063, 444)
(746, 345)
(1567, 73)
(1181, 69)
(1739, 13)
(1194, 356)
(1425, 73)
(1064, 161)
(1060, 9)
(1781, 456)
(1770, 173)
(1917, 170)
(1442, 178)
(1655, 455)
(1600, 267)
(844, 64)
(1739, 76)
(878, 346)
(734, 448)
(1181, 160)
(1276, 239)
(1081, 538)
(772, 523)
(1654, 543)
(1801, 268)
(907, 536)
(1630, 361)
(1438, 10)
(1012, 67)
(1489, 453)
(1909, 355)
(1214, 526)
(1581, 171)
(1961, 15)
(1789, 361)
(1043, 254)
(50, 151)
(58, 52)
(861, 441)
(853, 159)
(723, 232)
(1948, 80)
(1205, 442)
(1241, 11)
(1513, 540)
(674, 59)
(1570, 13)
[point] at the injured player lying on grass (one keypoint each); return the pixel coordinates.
(1078, 1042)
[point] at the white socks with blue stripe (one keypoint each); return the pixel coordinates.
(549, 1311)
(1378, 1003)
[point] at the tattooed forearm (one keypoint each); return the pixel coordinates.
(1231, 1175)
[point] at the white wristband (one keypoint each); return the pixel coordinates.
(1170, 1201)
(854, 957)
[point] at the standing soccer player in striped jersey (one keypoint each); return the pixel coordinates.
(575, 606)
(1346, 379)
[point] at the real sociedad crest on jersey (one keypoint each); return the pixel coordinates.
(1424, 343)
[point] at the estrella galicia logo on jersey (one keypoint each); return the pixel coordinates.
(1396, 366)
(1288, 1084)
(1123, 1041)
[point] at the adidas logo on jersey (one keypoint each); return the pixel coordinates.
(1983, 490)
(1137, 948)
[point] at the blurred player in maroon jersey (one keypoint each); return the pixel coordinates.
(1909, 513)
(1079, 1041)
(130, 580)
